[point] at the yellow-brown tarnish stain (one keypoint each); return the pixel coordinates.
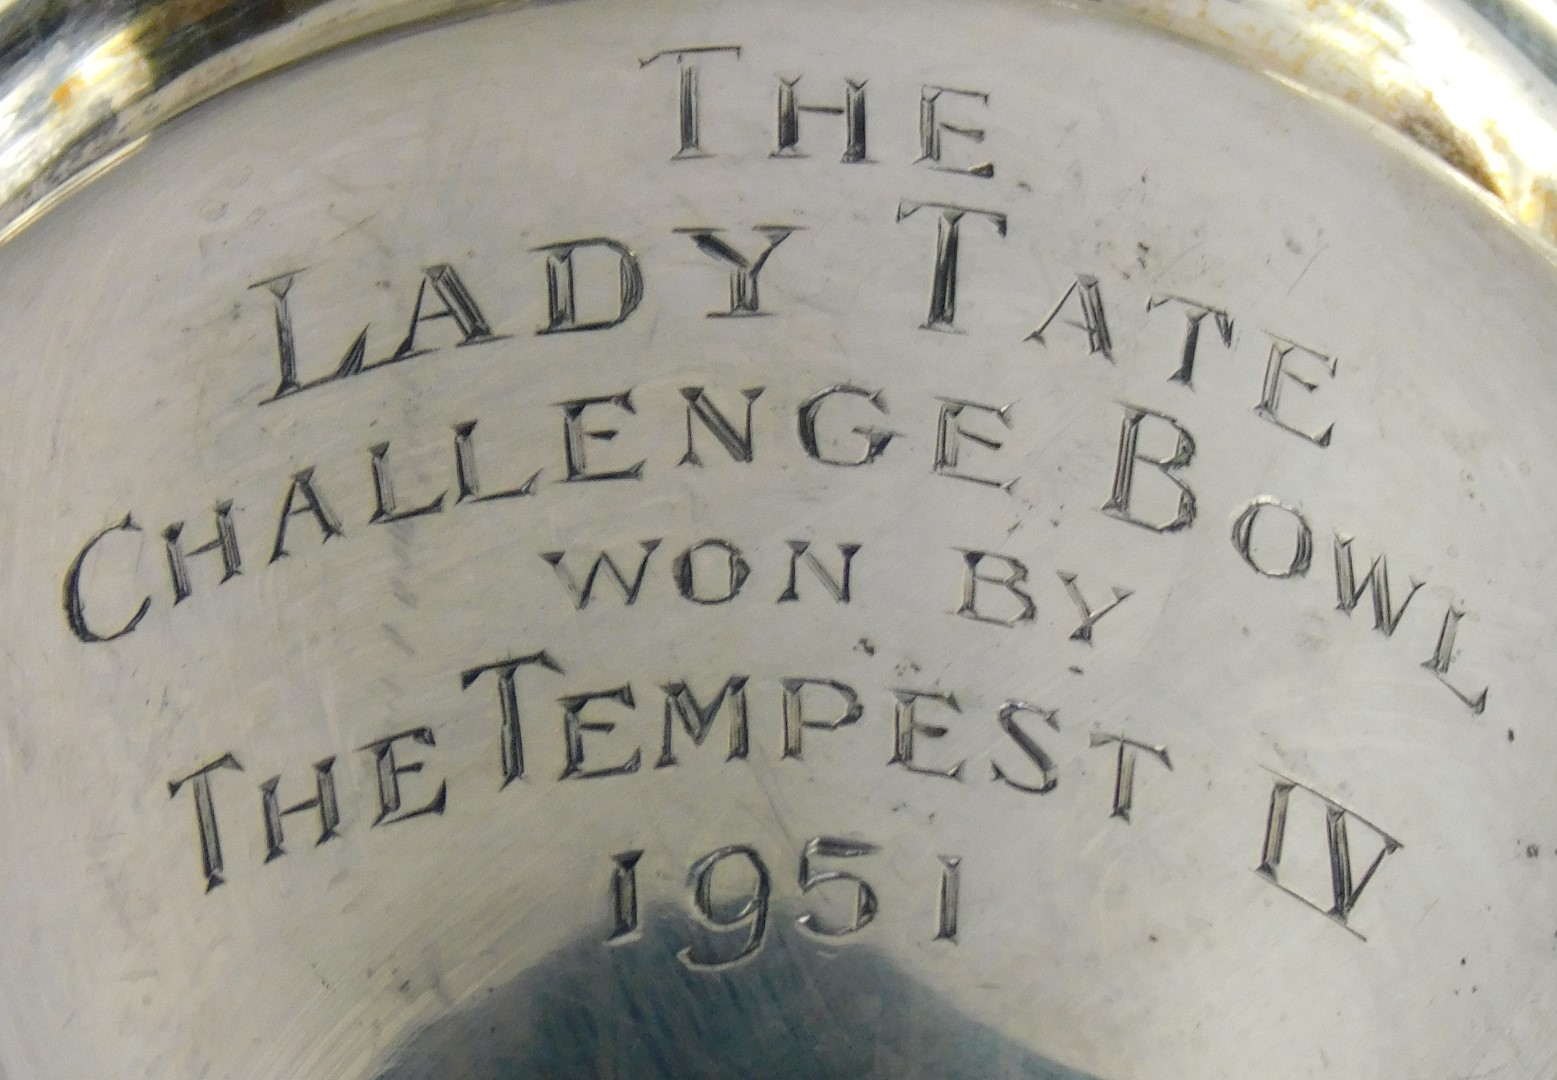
(1540, 207)
(66, 91)
(1352, 50)
(1434, 133)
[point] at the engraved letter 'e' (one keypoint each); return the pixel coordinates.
(907, 727)
(575, 726)
(575, 434)
(950, 436)
(932, 129)
(388, 770)
(1277, 376)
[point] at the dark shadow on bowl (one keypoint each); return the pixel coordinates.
(796, 1009)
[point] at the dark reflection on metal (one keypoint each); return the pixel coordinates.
(1517, 21)
(796, 1009)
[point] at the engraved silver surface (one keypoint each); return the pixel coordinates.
(678, 539)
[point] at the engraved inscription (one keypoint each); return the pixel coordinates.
(1276, 559)
(1124, 500)
(688, 97)
(1194, 315)
(457, 305)
(842, 425)
(1443, 656)
(751, 917)
(948, 255)
(624, 896)
(387, 771)
(1346, 885)
(324, 803)
(933, 129)
(950, 898)
(951, 437)
(1280, 371)
(744, 269)
(601, 741)
(1128, 750)
(832, 433)
(209, 834)
(562, 271)
(812, 877)
(852, 110)
(226, 543)
(1086, 296)
(697, 720)
(1386, 615)
(731, 895)
(75, 602)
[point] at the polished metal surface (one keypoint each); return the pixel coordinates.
(1470, 81)
(721, 539)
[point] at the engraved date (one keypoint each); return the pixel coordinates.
(730, 895)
